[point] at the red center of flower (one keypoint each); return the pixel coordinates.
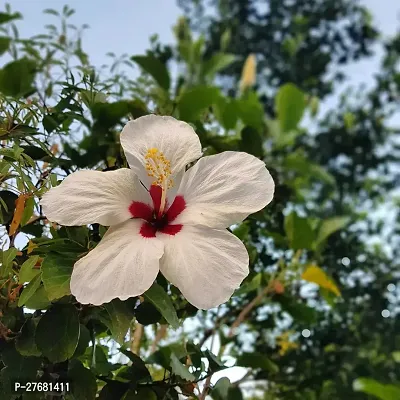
(154, 221)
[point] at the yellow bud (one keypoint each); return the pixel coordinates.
(248, 78)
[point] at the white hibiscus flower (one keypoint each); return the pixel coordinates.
(161, 217)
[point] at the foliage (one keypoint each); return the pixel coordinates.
(312, 265)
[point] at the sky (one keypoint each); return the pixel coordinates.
(124, 26)
(120, 26)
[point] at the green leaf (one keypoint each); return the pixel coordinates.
(90, 97)
(142, 394)
(225, 38)
(51, 11)
(290, 104)
(17, 78)
(100, 366)
(302, 166)
(4, 17)
(39, 300)
(53, 180)
(7, 206)
(154, 67)
(7, 258)
(349, 120)
(242, 231)
(4, 44)
(109, 114)
(9, 154)
(217, 62)
(163, 355)
(157, 296)
(114, 390)
(117, 317)
(28, 211)
(257, 360)
(250, 286)
(181, 370)
(321, 173)
(83, 343)
(35, 152)
(57, 333)
(195, 354)
(251, 142)
(215, 364)
(52, 121)
(18, 368)
(29, 290)
(330, 226)
(194, 101)
(56, 276)
(226, 111)
(396, 356)
(251, 111)
(235, 393)
(224, 143)
(299, 311)
(298, 231)
(83, 382)
(221, 389)
(138, 369)
(27, 273)
(146, 314)
(374, 388)
(314, 105)
(78, 234)
(25, 342)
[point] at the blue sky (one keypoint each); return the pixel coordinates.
(124, 26)
(120, 26)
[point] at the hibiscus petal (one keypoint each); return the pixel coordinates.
(176, 140)
(224, 189)
(123, 265)
(87, 197)
(207, 265)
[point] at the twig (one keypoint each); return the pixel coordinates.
(244, 313)
(206, 388)
(218, 322)
(136, 338)
(160, 335)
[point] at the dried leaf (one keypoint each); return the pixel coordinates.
(285, 344)
(31, 246)
(54, 148)
(316, 275)
(19, 209)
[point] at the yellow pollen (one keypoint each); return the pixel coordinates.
(159, 168)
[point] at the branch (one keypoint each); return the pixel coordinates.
(246, 311)
(136, 338)
(206, 388)
(160, 335)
